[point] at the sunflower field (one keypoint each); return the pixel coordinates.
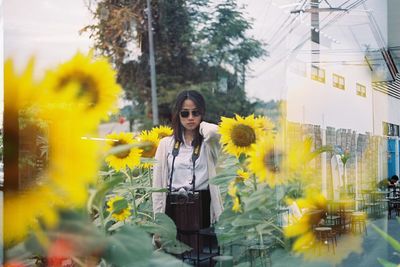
(89, 204)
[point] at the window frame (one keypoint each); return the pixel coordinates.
(361, 90)
(320, 75)
(340, 83)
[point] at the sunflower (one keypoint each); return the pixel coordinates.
(119, 208)
(84, 84)
(266, 124)
(242, 175)
(150, 141)
(266, 162)
(239, 134)
(316, 205)
(162, 131)
(61, 180)
(129, 158)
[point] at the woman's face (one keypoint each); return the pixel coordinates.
(189, 115)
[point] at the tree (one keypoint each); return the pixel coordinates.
(195, 46)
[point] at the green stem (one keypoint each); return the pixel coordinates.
(254, 182)
(150, 176)
(145, 214)
(102, 218)
(132, 193)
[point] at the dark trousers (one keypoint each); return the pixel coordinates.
(190, 217)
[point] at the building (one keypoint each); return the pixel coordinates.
(342, 76)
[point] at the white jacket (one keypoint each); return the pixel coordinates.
(160, 171)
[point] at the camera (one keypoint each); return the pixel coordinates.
(182, 196)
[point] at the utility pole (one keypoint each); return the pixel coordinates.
(154, 103)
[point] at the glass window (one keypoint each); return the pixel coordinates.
(361, 90)
(317, 74)
(338, 81)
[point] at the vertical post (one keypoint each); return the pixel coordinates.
(356, 170)
(315, 32)
(154, 104)
(323, 165)
(396, 153)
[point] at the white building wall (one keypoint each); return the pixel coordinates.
(386, 109)
(322, 104)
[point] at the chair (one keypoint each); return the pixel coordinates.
(358, 222)
(370, 204)
(325, 236)
(260, 253)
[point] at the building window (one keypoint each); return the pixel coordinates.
(390, 129)
(361, 90)
(317, 74)
(338, 81)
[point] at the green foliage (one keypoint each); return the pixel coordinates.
(195, 45)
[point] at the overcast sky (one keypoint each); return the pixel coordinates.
(48, 29)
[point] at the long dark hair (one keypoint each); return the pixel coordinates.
(198, 100)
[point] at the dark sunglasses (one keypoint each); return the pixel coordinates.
(186, 113)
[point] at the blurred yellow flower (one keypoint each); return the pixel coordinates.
(232, 189)
(162, 131)
(119, 208)
(266, 124)
(149, 140)
(236, 205)
(83, 84)
(314, 206)
(63, 179)
(239, 134)
(129, 158)
(266, 162)
(242, 175)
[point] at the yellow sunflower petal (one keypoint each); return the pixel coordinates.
(239, 134)
(150, 142)
(162, 131)
(265, 162)
(125, 159)
(83, 84)
(121, 215)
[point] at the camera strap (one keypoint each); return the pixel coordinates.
(195, 156)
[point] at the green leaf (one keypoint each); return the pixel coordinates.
(166, 229)
(262, 197)
(97, 198)
(223, 179)
(245, 222)
(160, 259)
(120, 205)
(387, 263)
(393, 242)
(127, 246)
(123, 148)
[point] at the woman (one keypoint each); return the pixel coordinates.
(185, 162)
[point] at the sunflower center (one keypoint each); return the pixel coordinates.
(149, 151)
(272, 161)
(87, 86)
(243, 135)
(122, 154)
